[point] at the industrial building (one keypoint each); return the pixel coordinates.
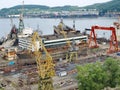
(24, 42)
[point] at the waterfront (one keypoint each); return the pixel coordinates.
(46, 25)
(25, 68)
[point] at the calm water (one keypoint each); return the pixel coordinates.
(46, 25)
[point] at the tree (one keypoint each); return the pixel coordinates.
(112, 68)
(97, 76)
(91, 77)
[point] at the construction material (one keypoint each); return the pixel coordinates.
(10, 54)
(63, 73)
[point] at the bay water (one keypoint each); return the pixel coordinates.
(46, 25)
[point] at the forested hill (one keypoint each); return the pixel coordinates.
(113, 5)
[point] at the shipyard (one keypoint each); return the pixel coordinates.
(31, 60)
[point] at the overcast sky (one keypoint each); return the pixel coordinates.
(51, 3)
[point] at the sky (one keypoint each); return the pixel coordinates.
(51, 3)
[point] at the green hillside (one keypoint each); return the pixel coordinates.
(113, 5)
(65, 8)
(35, 9)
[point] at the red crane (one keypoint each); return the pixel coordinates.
(113, 39)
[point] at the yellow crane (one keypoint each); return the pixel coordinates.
(44, 61)
(64, 33)
(70, 55)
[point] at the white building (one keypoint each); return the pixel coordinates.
(26, 32)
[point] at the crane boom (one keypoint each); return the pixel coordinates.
(71, 53)
(64, 33)
(21, 23)
(44, 62)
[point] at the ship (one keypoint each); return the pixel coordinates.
(57, 42)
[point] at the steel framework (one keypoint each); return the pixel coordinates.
(113, 39)
(45, 64)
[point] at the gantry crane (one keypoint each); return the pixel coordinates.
(72, 52)
(44, 62)
(113, 39)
